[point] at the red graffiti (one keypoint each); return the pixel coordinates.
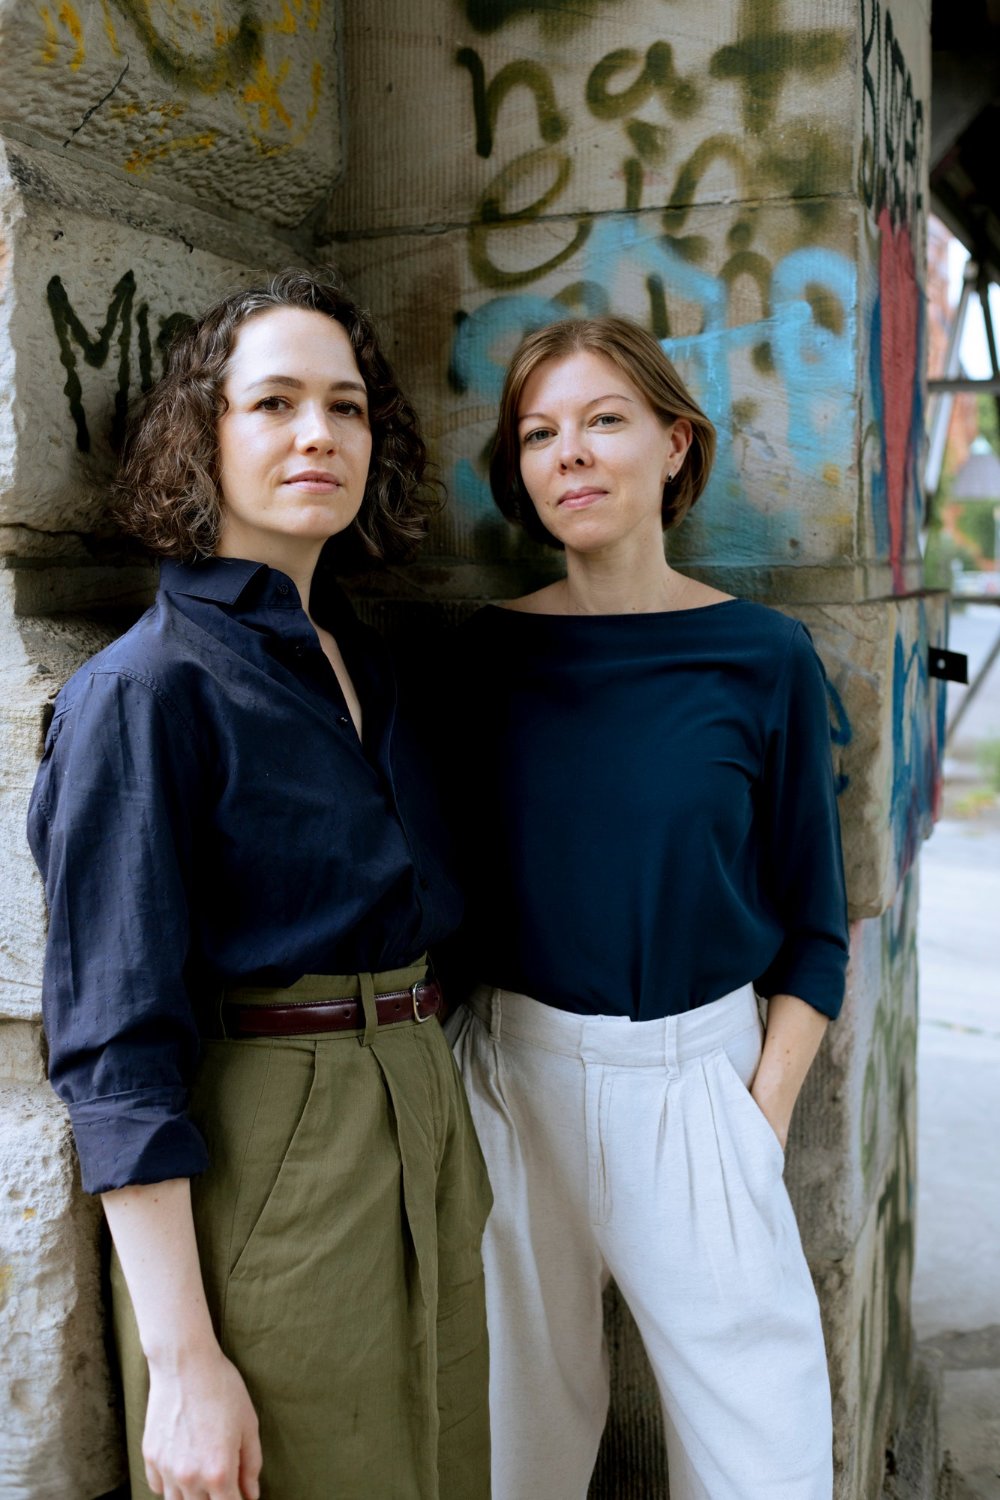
(900, 302)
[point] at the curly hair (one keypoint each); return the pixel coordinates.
(168, 493)
(638, 355)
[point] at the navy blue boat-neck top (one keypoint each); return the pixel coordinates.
(205, 814)
(649, 809)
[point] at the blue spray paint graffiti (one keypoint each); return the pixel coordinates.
(917, 744)
(814, 362)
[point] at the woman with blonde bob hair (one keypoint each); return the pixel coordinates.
(652, 848)
(244, 870)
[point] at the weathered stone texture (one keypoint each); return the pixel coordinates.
(222, 103)
(851, 1173)
(60, 1436)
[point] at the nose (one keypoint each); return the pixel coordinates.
(573, 450)
(316, 430)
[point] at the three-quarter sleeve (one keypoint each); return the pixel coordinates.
(111, 826)
(803, 862)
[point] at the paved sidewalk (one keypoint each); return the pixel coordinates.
(956, 1289)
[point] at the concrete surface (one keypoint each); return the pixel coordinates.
(956, 1288)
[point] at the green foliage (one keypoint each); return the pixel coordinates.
(941, 549)
(988, 756)
(989, 420)
(977, 527)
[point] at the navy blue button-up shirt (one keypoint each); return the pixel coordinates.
(205, 814)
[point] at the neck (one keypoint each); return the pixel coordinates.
(630, 580)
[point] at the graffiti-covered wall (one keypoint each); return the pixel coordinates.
(749, 180)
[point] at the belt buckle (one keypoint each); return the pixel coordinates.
(416, 1004)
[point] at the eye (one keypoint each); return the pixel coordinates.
(535, 436)
(607, 419)
(348, 409)
(270, 403)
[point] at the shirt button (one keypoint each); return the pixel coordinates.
(282, 588)
(343, 720)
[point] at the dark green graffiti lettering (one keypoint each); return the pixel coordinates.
(766, 54)
(226, 67)
(488, 97)
(658, 76)
(493, 214)
(552, 15)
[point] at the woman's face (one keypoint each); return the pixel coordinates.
(594, 455)
(294, 444)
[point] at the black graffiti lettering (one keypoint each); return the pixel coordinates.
(72, 335)
(488, 97)
(171, 327)
(892, 121)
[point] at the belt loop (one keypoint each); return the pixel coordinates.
(495, 1009)
(671, 1026)
(367, 984)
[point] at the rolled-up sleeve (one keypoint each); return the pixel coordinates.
(111, 826)
(802, 849)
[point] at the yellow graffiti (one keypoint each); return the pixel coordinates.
(109, 28)
(317, 89)
(264, 93)
(139, 161)
(70, 19)
(286, 24)
(51, 36)
(74, 26)
(168, 109)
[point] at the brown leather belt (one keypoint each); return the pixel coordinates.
(418, 1003)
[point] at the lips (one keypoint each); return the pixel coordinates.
(580, 499)
(315, 479)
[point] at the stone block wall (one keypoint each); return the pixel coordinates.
(749, 181)
(151, 156)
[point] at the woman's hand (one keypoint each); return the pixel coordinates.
(200, 1441)
(201, 1431)
(791, 1041)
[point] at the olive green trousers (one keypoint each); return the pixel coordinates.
(339, 1229)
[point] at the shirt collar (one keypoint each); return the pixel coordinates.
(221, 579)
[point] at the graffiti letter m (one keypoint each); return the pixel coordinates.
(70, 331)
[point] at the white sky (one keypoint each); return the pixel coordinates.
(975, 354)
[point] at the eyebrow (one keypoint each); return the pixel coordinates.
(611, 396)
(298, 385)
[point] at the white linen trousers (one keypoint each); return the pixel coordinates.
(635, 1150)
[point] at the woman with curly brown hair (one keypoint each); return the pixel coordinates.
(244, 871)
